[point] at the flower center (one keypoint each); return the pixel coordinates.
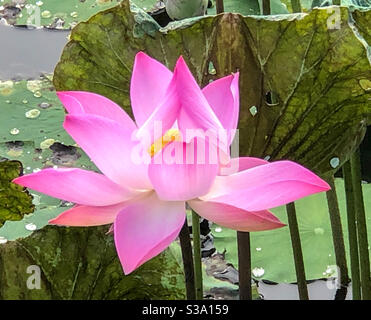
(170, 136)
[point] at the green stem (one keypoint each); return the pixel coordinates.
(297, 251)
(338, 239)
(266, 7)
(295, 4)
(196, 232)
(355, 163)
(244, 265)
(352, 231)
(336, 2)
(219, 6)
(187, 255)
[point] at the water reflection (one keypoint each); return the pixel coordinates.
(318, 290)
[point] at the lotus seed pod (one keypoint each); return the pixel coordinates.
(182, 9)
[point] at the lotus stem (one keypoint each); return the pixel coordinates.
(266, 7)
(295, 4)
(352, 231)
(355, 163)
(219, 6)
(244, 265)
(297, 251)
(187, 255)
(196, 232)
(338, 240)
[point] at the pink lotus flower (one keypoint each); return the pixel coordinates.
(146, 202)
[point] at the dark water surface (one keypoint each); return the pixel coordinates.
(25, 53)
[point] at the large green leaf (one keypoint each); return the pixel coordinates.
(363, 26)
(52, 13)
(65, 14)
(82, 263)
(316, 238)
(356, 4)
(31, 111)
(15, 202)
(307, 5)
(317, 74)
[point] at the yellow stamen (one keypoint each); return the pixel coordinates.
(170, 136)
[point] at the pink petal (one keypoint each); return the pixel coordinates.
(240, 164)
(183, 171)
(111, 147)
(266, 186)
(144, 229)
(195, 111)
(149, 82)
(235, 218)
(82, 102)
(223, 97)
(76, 185)
(87, 216)
(163, 117)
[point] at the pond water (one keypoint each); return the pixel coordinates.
(25, 53)
(318, 290)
